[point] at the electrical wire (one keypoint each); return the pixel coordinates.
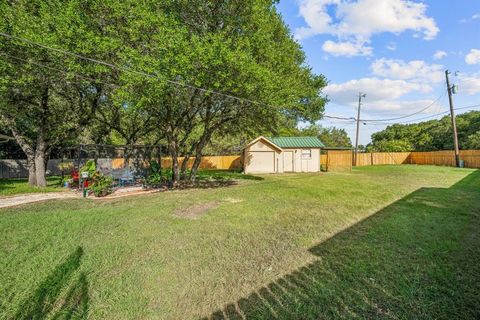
(121, 68)
(340, 118)
(66, 72)
(427, 117)
(408, 115)
(116, 85)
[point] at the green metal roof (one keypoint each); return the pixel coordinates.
(296, 142)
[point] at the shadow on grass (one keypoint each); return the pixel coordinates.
(418, 258)
(227, 174)
(47, 297)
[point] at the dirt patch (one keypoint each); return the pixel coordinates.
(195, 211)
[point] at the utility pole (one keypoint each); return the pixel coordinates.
(360, 96)
(452, 115)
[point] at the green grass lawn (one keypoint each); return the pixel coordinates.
(12, 187)
(393, 242)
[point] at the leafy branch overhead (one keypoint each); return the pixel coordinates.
(202, 69)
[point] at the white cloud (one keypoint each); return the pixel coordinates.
(473, 57)
(415, 70)
(405, 107)
(469, 83)
(348, 49)
(356, 21)
(378, 90)
(439, 54)
(392, 46)
(474, 17)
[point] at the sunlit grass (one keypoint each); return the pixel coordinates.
(10, 187)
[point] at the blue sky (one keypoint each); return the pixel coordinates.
(395, 51)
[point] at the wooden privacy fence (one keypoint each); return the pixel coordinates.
(336, 160)
(374, 158)
(331, 160)
(207, 162)
(211, 162)
(471, 158)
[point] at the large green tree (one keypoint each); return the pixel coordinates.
(331, 137)
(44, 102)
(185, 72)
(243, 69)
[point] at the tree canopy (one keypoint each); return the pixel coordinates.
(331, 137)
(184, 72)
(430, 135)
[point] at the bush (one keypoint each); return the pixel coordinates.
(158, 177)
(89, 167)
(101, 185)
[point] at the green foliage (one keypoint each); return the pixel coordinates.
(11, 187)
(331, 137)
(101, 185)
(157, 177)
(89, 167)
(430, 135)
(473, 141)
(391, 146)
(241, 48)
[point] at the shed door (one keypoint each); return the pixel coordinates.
(260, 162)
(288, 161)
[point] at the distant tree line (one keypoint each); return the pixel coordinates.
(430, 135)
(234, 143)
(330, 136)
(183, 52)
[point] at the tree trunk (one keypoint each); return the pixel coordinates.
(183, 170)
(199, 153)
(40, 169)
(173, 149)
(196, 164)
(40, 160)
(175, 170)
(32, 178)
(26, 147)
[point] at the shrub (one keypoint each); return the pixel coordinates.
(158, 177)
(89, 167)
(101, 185)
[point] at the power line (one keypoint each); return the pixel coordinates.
(427, 117)
(66, 72)
(128, 69)
(408, 115)
(121, 68)
(116, 85)
(339, 118)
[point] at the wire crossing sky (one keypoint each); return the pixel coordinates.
(395, 51)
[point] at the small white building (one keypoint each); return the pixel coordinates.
(282, 154)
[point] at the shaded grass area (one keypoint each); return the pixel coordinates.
(417, 258)
(378, 242)
(43, 301)
(226, 174)
(11, 187)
